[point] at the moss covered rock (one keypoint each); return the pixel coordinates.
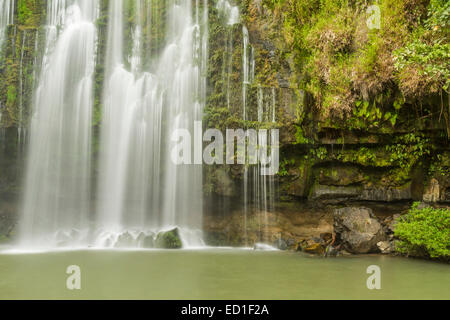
(168, 239)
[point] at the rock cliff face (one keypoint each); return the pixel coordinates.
(326, 162)
(256, 79)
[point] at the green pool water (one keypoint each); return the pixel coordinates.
(217, 274)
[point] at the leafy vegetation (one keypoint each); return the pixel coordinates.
(366, 75)
(25, 11)
(424, 232)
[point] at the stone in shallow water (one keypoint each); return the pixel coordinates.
(125, 240)
(146, 241)
(168, 239)
(331, 251)
(315, 248)
(280, 244)
(385, 247)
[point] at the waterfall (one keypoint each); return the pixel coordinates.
(231, 16)
(245, 71)
(260, 104)
(21, 130)
(274, 105)
(228, 11)
(258, 189)
(140, 190)
(6, 18)
(56, 197)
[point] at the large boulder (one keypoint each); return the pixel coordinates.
(358, 229)
(168, 239)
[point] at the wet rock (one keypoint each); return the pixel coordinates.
(390, 223)
(331, 251)
(291, 244)
(358, 229)
(340, 176)
(385, 247)
(282, 83)
(168, 239)
(146, 241)
(125, 240)
(431, 193)
(387, 194)
(223, 183)
(313, 246)
(299, 178)
(322, 192)
(423, 205)
(280, 244)
(326, 237)
(344, 253)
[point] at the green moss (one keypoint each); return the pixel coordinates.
(11, 96)
(168, 239)
(25, 11)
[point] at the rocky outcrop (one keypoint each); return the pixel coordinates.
(280, 244)
(284, 228)
(387, 194)
(431, 193)
(385, 247)
(322, 192)
(168, 239)
(314, 246)
(358, 230)
(146, 240)
(125, 240)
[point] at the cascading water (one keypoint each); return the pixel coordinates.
(56, 200)
(263, 187)
(21, 132)
(140, 189)
(6, 18)
(229, 11)
(258, 189)
(245, 71)
(231, 16)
